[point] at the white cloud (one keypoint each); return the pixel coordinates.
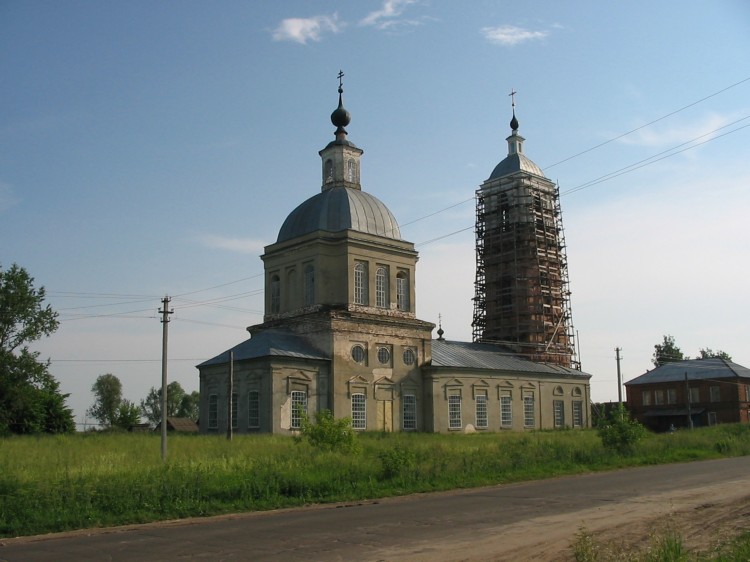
(303, 30)
(8, 198)
(239, 245)
(510, 35)
(385, 17)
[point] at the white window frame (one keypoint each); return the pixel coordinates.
(360, 283)
(402, 291)
(213, 411)
(253, 409)
(506, 411)
(384, 355)
(381, 287)
(558, 408)
(454, 411)
(359, 411)
(409, 412)
(298, 397)
(481, 411)
(577, 413)
(529, 411)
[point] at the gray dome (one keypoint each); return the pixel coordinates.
(515, 163)
(337, 209)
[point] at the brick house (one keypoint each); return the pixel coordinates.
(719, 392)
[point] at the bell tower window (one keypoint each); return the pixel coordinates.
(402, 291)
(328, 171)
(360, 283)
(275, 294)
(351, 170)
(381, 287)
(309, 285)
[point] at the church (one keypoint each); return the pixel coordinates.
(340, 329)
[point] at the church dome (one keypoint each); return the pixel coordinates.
(515, 163)
(338, 209)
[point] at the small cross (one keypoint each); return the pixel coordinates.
(341, 75)
(512, 95)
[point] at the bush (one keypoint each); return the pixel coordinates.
(621, 432)
(328, 432)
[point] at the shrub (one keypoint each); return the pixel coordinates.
(396, 461)
(621, 432)
(328, 432)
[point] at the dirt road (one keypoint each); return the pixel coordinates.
(704, 501)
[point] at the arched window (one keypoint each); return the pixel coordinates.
(328, 171)
(381, 287)
(309, 285)
(351, 171)
(275, 294)
(292, 290)
(360, 283)
(402, 291)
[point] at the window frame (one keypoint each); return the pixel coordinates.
(409, 412)
(529, 411)
(275, 287)
(480, 411)
(454, 411)
(402, 291)
(361, 296)
(577, 407)
(558, 411)
(297, 397)
(359, 411)
(506, 411)
(253, 409)
(381, 287)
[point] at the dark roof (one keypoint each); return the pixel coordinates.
(467, 355)
(182, 424)
(696, 369)
(338, 209)
(276, 343)
(515, 163)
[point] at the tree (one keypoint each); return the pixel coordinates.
(709, 353)
(128, 415)
(667, 352)
(190, 406)
(151, 405)
(108, 393)
(30, 398)
(620, 433)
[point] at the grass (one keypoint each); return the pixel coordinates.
(56, 483)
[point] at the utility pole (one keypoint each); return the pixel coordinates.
(165, 312)
(230, 393)
(619, 378)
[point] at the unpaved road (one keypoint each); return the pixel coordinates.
(704, 501)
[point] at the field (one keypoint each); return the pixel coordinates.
(56, 483)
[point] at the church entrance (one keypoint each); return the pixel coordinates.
(385, 415)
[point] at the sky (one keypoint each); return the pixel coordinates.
(154, 148)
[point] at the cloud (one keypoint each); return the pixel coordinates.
(510, 35)
(8, 198)
(239, 245)
(303, 30)
(385, 17)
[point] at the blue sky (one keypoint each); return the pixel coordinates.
(152, 148)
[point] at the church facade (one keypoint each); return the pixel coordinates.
(340, 332)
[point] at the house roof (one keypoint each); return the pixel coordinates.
(696, 369)
(182, 424)
(269, 343)
(466, 355)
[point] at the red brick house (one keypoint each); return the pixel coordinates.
(719, 392)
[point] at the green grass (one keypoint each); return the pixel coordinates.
(56, 483)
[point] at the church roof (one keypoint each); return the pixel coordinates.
(468, 355)
(269, 343)
(696, 369)
(338, 209)
(515, 163)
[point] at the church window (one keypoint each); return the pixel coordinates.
(454, 411)
(381, 287)
(309, 285)
(234, 410)
(410, 356)
(275, 294)
(409, 412)
(351, 171)
(481, 410)
(358, 353)
(506, 412)
(558, 407)
(402, 291)
(360, 283)
(528, 410)
(384, 355)
(213, 411)
(359, 418)
(299, 408)
(328, 172)
(577, 413)
(253, 409)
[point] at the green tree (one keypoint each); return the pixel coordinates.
(709, 353)
(30, 398)
(190, 406)
(128, 415)
(667, 352)
(108, 397)
(620, 433)
(151, 405)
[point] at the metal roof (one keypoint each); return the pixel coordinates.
(515, 163)
(270, 343)
(337, 209)
(465, 355)
(696, 369)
